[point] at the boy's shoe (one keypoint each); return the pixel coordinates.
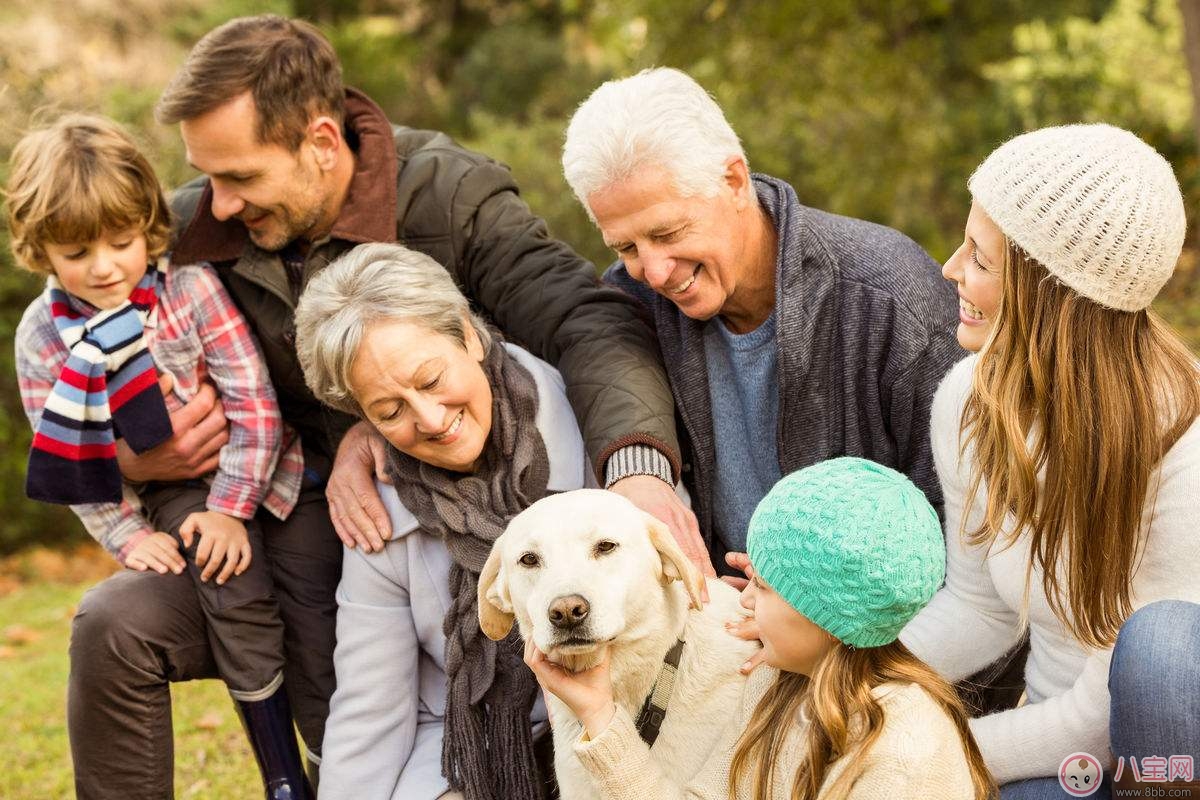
(268, 724)
(312, 768)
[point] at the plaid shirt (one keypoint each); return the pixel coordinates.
(195, 333)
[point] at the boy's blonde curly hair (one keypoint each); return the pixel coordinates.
(76, 179)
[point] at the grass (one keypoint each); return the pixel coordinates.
(212, 758)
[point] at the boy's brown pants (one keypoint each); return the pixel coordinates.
(137, 632)
(245, 633)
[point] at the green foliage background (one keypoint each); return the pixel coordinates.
(873, 108)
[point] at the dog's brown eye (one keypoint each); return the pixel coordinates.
(530, 559)
(605, 547)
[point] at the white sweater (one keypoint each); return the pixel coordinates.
(917, 755)
(975, 617)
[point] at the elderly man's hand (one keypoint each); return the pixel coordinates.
(658, 499)
(355, 509)
(194, 449)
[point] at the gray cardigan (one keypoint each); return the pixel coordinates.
(383, 740)
(865, 329)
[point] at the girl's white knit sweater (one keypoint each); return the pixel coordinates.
(918, 754)
(975, 617)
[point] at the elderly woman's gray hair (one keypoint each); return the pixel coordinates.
(373, 283)
(658, 117)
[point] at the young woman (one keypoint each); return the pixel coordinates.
(1069, 454)
(844, 553)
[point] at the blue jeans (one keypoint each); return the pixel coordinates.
(1154, 688)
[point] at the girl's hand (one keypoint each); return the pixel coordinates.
(740, 562)
(222, 538)
(747, 628)
(588, 694)
(158, 552)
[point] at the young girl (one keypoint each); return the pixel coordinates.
(86, 209)
(844, 553)
(1069, 453)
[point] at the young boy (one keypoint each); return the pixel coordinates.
(85, 208)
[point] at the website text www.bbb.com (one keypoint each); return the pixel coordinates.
(1152, 791)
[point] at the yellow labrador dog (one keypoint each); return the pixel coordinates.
(585, 570)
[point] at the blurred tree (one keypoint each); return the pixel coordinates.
(1129, 68)
(878, 109)
(113, 60)
(871, 109)
(1190, 11)
(1188, 286)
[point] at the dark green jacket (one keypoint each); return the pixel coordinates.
(421, 189)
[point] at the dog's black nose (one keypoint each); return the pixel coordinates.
(568, 611)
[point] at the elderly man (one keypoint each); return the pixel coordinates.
(790, 335)
(299, 169)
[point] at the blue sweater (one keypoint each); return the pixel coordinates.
(744, 389)
(864, 333)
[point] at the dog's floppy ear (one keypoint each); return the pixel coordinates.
(675, 565)
(495, 608)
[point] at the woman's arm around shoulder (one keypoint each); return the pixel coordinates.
(967, 625)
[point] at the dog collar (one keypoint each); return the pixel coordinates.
(654, 710)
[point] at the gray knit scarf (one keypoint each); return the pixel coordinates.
(487, 746)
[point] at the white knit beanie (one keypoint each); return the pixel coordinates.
(1094, 204)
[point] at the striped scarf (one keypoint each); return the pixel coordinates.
(107, 388)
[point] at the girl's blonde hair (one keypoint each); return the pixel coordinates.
(76, 179)
(844, 719)
(1073, 407)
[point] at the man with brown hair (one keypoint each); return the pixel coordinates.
(298, 170)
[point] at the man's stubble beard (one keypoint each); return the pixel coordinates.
(297, 220)
(290, 228)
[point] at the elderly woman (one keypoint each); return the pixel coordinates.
(477, 430)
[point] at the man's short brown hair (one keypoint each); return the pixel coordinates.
(287, 65)
(76, 180)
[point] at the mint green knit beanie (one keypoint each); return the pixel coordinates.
(852, 545)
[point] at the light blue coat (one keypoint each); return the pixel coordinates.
(383, 739)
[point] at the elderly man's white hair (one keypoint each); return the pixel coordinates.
(369, 284)
(658, 117)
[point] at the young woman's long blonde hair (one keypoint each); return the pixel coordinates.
(844, 719)
(1072, 409)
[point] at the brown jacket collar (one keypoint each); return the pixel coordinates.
(367, 215)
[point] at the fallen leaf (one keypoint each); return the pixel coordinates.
(196, 788)
(47, 565)
(8, 584)
(21, 634)
(210, 721)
